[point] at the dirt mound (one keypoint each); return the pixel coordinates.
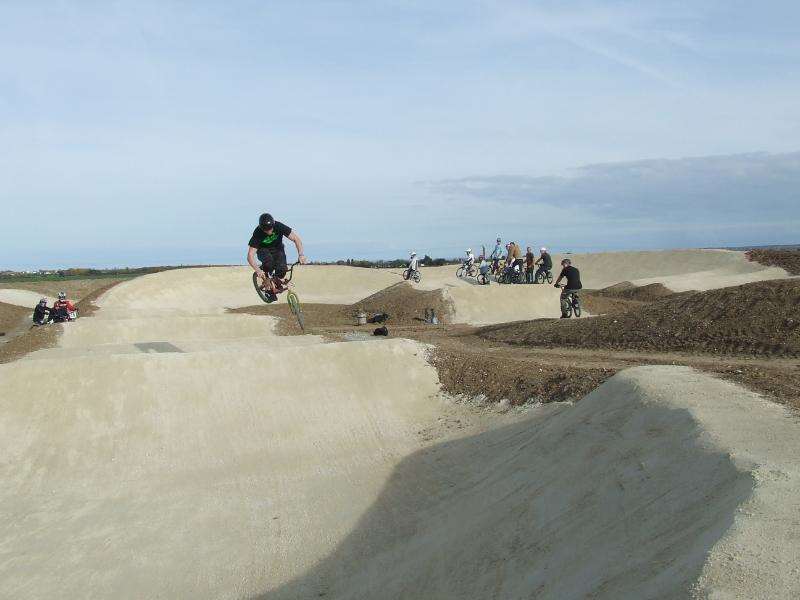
(627, 291)
(405, 305)
(788, 260)
(761, 318)
(11, 317)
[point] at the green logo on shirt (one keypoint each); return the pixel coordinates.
(270, 238)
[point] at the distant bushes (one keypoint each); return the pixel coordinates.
(397, 263)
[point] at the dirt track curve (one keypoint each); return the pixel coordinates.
(169, 448)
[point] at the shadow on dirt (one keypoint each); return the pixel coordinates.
(588, 502)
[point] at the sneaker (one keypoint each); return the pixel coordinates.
(271, 297)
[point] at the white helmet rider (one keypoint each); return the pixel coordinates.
(469, 251)
(413, 253)
(543, 249)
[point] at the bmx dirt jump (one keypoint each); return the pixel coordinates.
(167, 448)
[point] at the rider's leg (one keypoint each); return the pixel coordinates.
(268, 265)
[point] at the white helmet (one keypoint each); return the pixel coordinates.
(469, 251)
(413, 253)
(543, 249)
(62, 295)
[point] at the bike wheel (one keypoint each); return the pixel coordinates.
(576, 306)
(406, 275)
(549, 277)
(460, 272)
(566, 307)
(259, 289)
(473, 271)
(539, 277)
(417, 277)
(294, 306)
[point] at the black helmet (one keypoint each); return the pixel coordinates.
(266, 221)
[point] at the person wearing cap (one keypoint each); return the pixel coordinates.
(545, 263)
(41, 313)
(266, 252)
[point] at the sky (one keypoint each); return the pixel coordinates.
(139, 133)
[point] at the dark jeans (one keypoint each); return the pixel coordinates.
(273, 260)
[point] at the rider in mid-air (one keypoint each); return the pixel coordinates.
(266, 246)
(573, 277)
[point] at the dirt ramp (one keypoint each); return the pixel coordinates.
(662, 483)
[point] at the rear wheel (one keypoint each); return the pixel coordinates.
(417, 276)
(483, 279)
(549, 277)
(260, 289)
(473, 271)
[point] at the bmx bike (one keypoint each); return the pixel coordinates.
(413, 276)
(570, 304)
(542, 276)
(467, 271)
(281, 285)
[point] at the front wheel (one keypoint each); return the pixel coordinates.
(566, 307)
(406, 274)
(294, 306)
(460, 272)
(483, 279)
(576, 306)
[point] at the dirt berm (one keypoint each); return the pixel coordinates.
(761, 318)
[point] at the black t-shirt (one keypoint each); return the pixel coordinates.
(547, 262)
(270, 241)
(573, 277)
(40, 312)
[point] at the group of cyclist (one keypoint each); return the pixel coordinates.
(519, 267)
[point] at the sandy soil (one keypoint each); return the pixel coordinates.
(193, 453)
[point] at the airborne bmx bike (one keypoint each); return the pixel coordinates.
(281, 285)
(467, 270)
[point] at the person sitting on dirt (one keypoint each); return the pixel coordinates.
(266, 245)
(62, 310)
(545, 263)
(529, 258)
(41, 313)
(496, 254)
(573, 277)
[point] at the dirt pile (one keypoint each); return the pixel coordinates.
(761, 318)
(11, 317)
(788, 260)
(405, 305)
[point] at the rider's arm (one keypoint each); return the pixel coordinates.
(252, 259)
(299, 245)
(560, 277)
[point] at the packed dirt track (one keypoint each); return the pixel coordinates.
(174, 446)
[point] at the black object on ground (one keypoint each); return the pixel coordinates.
(381, 331)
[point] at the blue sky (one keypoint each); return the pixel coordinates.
(156, 132)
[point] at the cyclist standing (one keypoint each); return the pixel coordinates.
(573, 277)
(496, 254)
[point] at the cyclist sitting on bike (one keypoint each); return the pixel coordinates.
(514, 259)
(413, 263)
(573, 277)
(545, 263)
(469, 261)
(41, 313)
(266, 245)
(496, 254)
